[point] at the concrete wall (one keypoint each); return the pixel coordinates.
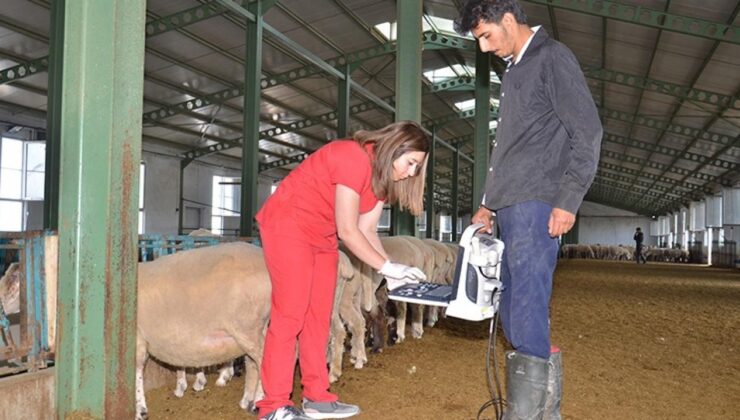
(599, 224)
(161, 193)
(32, 396)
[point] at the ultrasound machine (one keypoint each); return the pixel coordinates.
(476, 288)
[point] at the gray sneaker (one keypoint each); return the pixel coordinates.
(329, 410)
(286, 413)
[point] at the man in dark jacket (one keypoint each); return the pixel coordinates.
(638, 237)
(547, 149)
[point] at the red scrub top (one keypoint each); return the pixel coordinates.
(307, 195)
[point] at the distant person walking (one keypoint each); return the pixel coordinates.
(638, 246)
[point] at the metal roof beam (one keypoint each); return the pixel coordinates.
(667, 126)
(625, 183)
(625, 191)
(652, 177)
(620, 78)
(655, 165)
(153, 27)
(669, 151)
(696, 77)
(605, 194)
(288, 128)
(724, 179)
(660, 86)
(644, 16)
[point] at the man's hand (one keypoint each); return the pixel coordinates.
(483, 215)
(561, 221)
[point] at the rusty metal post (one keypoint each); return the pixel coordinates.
(101, 109)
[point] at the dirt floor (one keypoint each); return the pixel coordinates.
(655, 341)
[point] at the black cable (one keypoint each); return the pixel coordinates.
(494, 385)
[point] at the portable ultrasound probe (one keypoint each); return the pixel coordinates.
(474, 296)
(476, 287)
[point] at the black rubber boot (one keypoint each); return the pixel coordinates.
(526, 386)
(554, 387)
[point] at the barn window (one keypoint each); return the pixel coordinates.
(445, 228)
(384, 223)
(142, 174)
(421, 222)
(225, 202)
(22, 166)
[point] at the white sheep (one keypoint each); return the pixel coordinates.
(442, 261)
(346, 312)
(401, 250)
(10, 287)
(203, 307)
(225, 373)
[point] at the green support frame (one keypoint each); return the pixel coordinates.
(455, 213)
(250, 149)
(482, 123)
(408, 86)
(429, 192)
(102, 91)
(343, 114)
(53, 120)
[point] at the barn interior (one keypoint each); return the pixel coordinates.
(128, 125)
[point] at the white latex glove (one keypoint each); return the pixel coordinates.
(399, 271)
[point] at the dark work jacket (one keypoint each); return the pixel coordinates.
(549, 134)
(638, 238)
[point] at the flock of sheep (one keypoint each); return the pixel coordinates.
(210, 305)
(622, 253)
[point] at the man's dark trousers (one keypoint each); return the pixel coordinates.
(529, 259)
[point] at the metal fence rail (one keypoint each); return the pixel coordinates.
(723, 254)
(27, 337)
(24, 337)
(696, 253)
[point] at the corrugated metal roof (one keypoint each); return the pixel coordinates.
(667, 93)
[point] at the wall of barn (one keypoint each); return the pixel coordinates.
(161, 193)
(599, 224)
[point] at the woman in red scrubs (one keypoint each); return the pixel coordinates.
(338, 191)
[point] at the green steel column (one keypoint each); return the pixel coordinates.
(482, 121)
(430, 187)
(343, 104)
(181, 202)
(455, 188)
(101, 108)
(408, 84)
(250, 146)
(54, 100)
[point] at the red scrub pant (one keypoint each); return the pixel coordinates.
(303, 281)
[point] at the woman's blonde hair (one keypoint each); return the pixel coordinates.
(389, 143)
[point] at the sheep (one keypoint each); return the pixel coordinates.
(428, 266)
(226, 290)
(224, 374)
(453, 249)
(346, 311)
(442, 261)
(10, 287)
(401, 250)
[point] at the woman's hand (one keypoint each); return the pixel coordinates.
(400, 271)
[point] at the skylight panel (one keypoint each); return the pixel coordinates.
(445, 73)
(465, 105)
(470, 104)
(389, 30)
